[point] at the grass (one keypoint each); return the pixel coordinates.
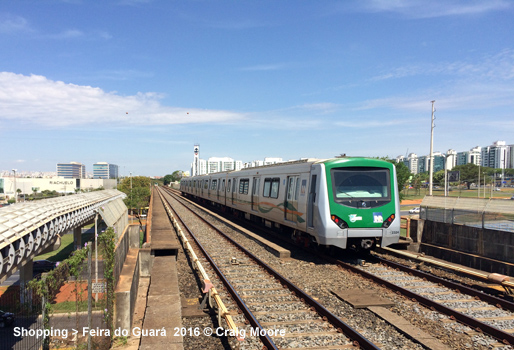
(70, 306)
(65, 249)
(505, 193)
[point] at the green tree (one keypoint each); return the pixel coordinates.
(177, 175)
(403, 175)
(137, 189)
(167, 179)
(469, 174)
(438, 178)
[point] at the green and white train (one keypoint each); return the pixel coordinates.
(342, 202)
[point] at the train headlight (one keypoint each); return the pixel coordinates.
(339, 222)
(389, 221)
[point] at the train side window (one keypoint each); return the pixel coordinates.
(229, 184)
(297, 188)
(267, 187)
(275, 186)
(214, 185)
(243, 186)
(206, 184)
(222, 189)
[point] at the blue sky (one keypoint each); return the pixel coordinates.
(139, 82)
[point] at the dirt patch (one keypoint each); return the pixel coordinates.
(67, 292)
(411, 201)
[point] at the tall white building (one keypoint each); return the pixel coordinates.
(412, 163)
(496, 156)
(217, 164)
(472, 156)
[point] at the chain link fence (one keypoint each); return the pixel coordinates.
(25, 309)
(68, 315)
(493, 214)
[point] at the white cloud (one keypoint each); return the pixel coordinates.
(36, 99)
(68, 34)
(264, 67)
(10, 23)
(499, 66)
(480, 85)
(439, 8)
(362, 123)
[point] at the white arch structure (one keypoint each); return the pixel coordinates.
(26, 229)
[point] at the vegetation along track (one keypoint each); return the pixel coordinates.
(288, 316)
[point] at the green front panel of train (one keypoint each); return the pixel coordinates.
(361, 192)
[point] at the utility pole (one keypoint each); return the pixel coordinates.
(431, 159)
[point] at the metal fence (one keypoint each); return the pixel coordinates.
(26, 307)
(67, 319)
(493, 214)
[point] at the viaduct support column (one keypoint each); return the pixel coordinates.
(77, 237)
(26, 274)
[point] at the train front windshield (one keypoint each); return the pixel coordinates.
(361, 186)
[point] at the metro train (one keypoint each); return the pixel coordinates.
(350, 203)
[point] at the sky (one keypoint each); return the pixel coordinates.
(138, 83)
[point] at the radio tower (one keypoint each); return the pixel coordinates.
(196, 158)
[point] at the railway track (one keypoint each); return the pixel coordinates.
(485, 315)
(280, 313)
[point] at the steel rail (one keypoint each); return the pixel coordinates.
(479, 326)
(208, 286)
(489, 277)
(266, 339)
(502, 336)
(450, 284)
(357, 338)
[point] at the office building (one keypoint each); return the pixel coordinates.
(103, 170)
(71, 170)
(496, 156)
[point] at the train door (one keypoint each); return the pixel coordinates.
(222, 191)
(233, 191)
(291, 203)
(311, 200)
(229, 188)
(255, 194)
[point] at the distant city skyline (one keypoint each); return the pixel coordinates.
(239, 164)
(138, 82)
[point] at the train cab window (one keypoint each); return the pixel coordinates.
(243, 186)
(357, 185)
